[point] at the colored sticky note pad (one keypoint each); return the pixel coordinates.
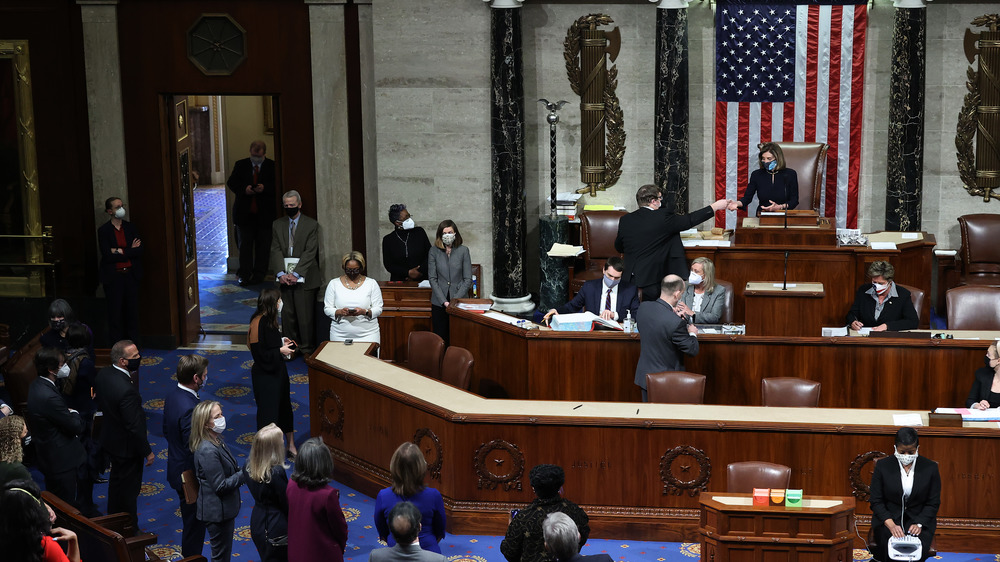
(793, 499)
(777, 496)
(760, 496)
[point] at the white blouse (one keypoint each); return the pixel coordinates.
(358, 328)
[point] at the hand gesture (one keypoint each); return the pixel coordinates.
(548, 315)
(682, 309)
(773, 206)
(733, 205)
(880, 328)
(414, 273)
(72, 543)
(342, 312)
(915, 530)
(720, 205)
(288, 347)
(249, 190)
(136, 243)
(981, 405)
(259, 188)
(895, 529)
(857, 325)
(692, 329)
(608, 314)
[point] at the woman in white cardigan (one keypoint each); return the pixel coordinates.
(354, 302)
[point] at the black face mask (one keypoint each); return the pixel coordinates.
(58, 325)
(133, 364)
(352, 273)
(26, 441)
(291, 211)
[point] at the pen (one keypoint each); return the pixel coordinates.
(637, 411)
(577, 406)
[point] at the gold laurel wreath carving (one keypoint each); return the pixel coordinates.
(965, 136)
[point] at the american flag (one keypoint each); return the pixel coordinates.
(790, 72)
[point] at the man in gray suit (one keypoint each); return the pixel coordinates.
(295, 258)
(665, 335)
(404, 523)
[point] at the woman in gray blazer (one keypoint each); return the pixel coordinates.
(702, 300)
(219, 478)
(449, 270)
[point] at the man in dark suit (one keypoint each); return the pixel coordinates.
(665, 335)
(121, 269)
(56, 429)
(404, 523)
(607, 297)
(252, 182)
(896, 513)
(650, 239)
(123, 430)
(562, 539)
(295, 256)
(192, 374)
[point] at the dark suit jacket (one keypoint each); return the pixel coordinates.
(887, 495)
(664, 339)
(306, 248)
(589, 298)
(649, 239)
(123, 431)
(106, 241)
(54, 429)
(177, 409)
(981, 384)
(402, 250)
(241, 177)
(897, 314)
(404, 552)
(591, 558)
(219, 479)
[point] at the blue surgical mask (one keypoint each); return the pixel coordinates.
(771, 166)
(611, 283)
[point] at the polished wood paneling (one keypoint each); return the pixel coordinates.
(793, 312)
(406, 308)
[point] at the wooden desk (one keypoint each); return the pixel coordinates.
(855, 372)
(798, 311)
(733, 530)
(406, 308)
(637, 474)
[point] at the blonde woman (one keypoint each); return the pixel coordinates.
(12, 432)
(354, 302)
(267, 481)
(219, 478)
(408, 468)
(702, 300)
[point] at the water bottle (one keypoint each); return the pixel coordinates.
(628, 322)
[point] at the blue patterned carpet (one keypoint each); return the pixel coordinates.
(229, 382)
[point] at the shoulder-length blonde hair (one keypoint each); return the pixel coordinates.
(10, 439)
(407, 468)
(266, 452)
(709, 268)
(199, 424)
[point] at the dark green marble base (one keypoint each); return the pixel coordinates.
(552, 290)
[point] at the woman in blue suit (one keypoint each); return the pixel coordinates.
(219, 478)
(449, 269)
(408, 469)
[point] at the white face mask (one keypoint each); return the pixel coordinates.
(694, 279)
(219, 424)
(880, 287)
(448, 238)
(907, 460)
(256, 160)
(120, 213)
(280, 306)
(63, 371)
(408, 224)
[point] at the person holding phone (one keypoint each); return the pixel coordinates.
(271, 388)
(354, 302)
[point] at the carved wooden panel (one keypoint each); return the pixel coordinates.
(331, 413)
(676, 474)
(499, 463)
(861, 487)
(431, 447)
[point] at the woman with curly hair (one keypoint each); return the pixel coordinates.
(26, 531)
(12, 433)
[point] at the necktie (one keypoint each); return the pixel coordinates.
(607, 301)
(291, 236)
(253, 201)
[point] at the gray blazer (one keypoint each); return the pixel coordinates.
(404, 552)
(664, 339)
(711, 304)
(219, 480)
(450, 277)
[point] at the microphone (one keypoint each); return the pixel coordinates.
(784, 284)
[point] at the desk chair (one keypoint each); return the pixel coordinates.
(598, 230)
(917, 298)
(456, 368)
(790, 392)
(743, 477)
(973, 307)
(675, 387)
(425, 351)
(727, 305)
(980, 253)
(808, 159)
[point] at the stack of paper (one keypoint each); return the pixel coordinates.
(564, 251)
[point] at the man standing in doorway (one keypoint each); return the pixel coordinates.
(295, 256)
(252, 181)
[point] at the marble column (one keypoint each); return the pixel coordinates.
(104, 102)
(507, 154)
(552, 290)
(904, 188)
(670, 128)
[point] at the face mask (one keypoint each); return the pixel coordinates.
(695, 279)
(611, 283)
(58, 325)
(352, 274)
(63, 371)
(26, 441)
(280, 306)
(880, 287)
(133, 364)
(771, 166)
(291, 211)
(256, 160)
(906, 460)
(448, 238)
(120, 213)
(219, 424)
(409, 224)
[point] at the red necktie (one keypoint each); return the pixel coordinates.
(253, 202)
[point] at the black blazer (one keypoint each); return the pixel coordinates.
(123, 431)
(402, 250)
(649, 239)
(589, 298)
(897, 314)
(270, 508)
(238, 181)
(54, 429)
(981, 383)
(177, 409)
(106, 241)
(887, 495)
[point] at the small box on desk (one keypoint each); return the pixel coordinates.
(793, 499)
(777, 496)
(761, 495)
(580, 322)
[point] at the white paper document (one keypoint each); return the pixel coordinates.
(907, 419)
(883, 245)
(474, 306)
(564, 251)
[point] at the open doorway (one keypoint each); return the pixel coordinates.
(222, 129)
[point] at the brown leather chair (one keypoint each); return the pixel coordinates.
(980, 252)
(808, 159)
(456, 369)
(598, 230)
(917, 298)
(743, 477)
(727, 305)
(790, 392)
(675, 387)
(973, 307)
(425, 350)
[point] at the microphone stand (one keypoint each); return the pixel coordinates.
(784, 284)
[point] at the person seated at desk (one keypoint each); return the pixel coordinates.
(702, 301)
(606, 297)
(404, 250)
(985, 391)
(883, 305)
(772, 182)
